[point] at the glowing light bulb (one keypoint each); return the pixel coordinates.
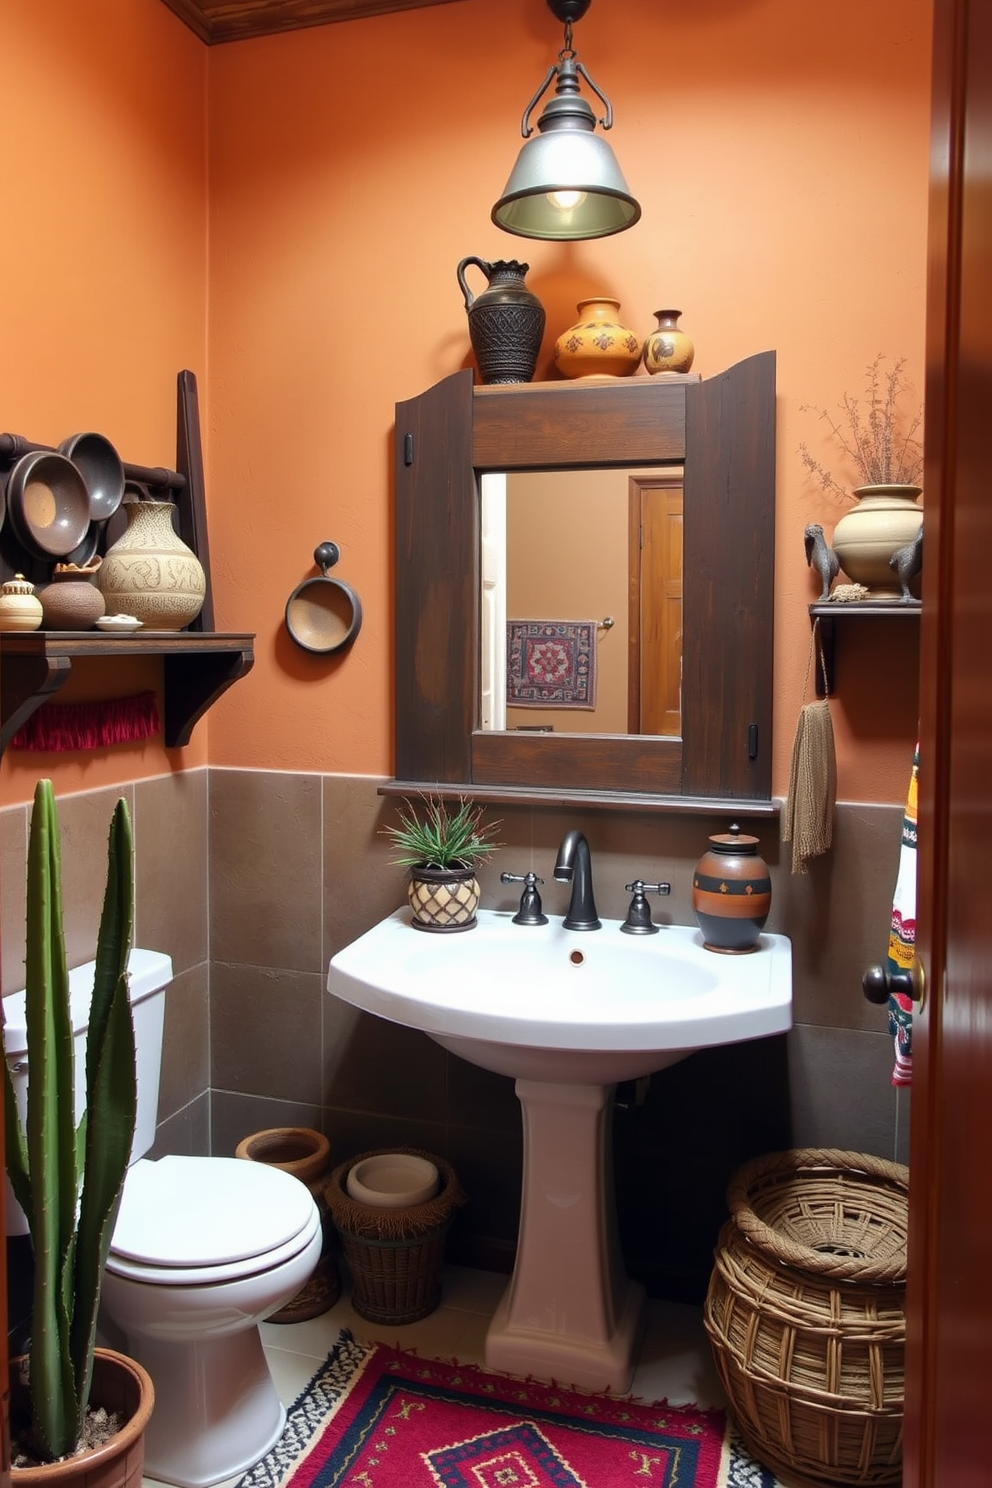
(566, 201)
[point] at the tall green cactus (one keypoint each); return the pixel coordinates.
(68, 1181)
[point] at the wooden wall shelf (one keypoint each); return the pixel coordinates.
(828, 614)
(197, 668)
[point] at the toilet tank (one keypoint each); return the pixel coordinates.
(149, 973)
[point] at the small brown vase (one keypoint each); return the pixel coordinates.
(305, 1153)
(599, 344)
(731, 893)
(72, 601)
(505, 322)
(668, 348)
(443, 899)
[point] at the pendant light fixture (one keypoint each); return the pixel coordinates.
(566, 184)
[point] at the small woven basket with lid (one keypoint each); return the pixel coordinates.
(806, 1314)
(394, 1255)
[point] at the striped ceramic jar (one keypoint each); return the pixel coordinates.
(731, 893)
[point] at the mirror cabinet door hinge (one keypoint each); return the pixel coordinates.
(407, 449)
(752, 741)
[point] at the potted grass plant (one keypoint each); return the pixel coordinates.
(442, 845)
(878, 436)
(76, 1410)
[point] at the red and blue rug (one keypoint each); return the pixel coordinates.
(376, 1417)
(551, 663)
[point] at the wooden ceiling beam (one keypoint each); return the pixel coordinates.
(217, 21)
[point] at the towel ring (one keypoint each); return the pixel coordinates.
(323, 614)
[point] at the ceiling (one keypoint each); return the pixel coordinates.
(234, 20)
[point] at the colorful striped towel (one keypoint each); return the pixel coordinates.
(902, 936)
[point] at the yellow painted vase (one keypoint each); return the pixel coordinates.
(668, 348)
(599, 344)
(150, 572)
(885, 519)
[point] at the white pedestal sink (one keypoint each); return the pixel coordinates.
(567, 1015)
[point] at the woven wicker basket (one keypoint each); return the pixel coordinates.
(394, 1255)
(805, 1313)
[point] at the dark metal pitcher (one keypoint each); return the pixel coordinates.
(505, 322)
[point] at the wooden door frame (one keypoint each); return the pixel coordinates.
(949, 1295)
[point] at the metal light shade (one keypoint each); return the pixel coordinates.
(566, 184)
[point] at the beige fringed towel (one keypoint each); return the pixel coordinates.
(808, 818)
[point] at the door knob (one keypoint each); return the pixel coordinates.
(879, 981)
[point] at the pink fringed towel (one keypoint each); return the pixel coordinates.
(902, 936)
(69, 726)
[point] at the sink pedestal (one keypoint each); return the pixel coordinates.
(570, 1312)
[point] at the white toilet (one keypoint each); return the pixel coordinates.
(204, 1248)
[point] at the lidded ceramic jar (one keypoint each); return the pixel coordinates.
(599, 344)
(668, 348)
(731, 893)
(72, 601)
(20, 608)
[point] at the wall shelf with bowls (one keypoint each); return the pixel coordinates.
(198, 663)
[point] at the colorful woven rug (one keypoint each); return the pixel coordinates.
(375, 1417)
(551, 663)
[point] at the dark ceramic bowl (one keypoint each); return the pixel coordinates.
(323, 615)
(48, 504)
(100, 466)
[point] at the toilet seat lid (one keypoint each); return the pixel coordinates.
(207, 1211)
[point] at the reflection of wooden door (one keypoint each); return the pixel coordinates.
(949, 1323)
(655, 569)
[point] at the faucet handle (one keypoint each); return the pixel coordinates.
(638, 921)
(530, 911)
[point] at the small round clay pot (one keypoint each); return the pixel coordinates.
(731, 893)
(72, 601)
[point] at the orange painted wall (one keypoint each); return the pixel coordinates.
(102, 267)
(780, 154)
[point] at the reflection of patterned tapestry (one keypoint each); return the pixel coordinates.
(551, 663)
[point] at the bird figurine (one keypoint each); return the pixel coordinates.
(821, 556)
(907, 563)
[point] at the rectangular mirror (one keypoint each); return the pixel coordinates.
(696, 462)
(582, 597)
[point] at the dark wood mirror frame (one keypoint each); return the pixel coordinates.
(722, 430)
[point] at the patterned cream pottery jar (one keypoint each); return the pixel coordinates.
(150, 572)
(20, 609)
(598, 344)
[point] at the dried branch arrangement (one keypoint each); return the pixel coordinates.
(879, 439)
